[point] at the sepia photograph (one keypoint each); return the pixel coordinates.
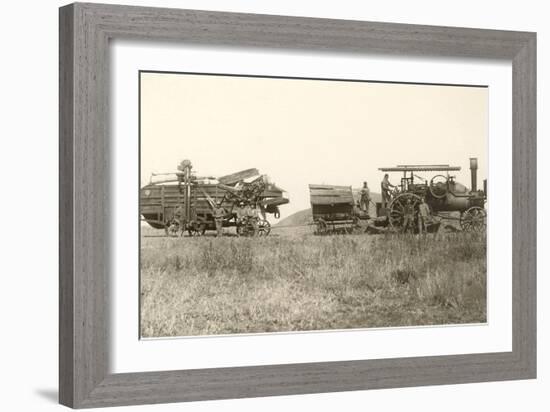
(283, 204)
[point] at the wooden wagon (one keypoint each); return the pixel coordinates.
(186, 202)
(333, 209)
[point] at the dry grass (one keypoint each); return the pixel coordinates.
(203, 286)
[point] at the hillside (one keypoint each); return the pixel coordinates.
(299, 218)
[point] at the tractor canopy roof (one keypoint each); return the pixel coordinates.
(420, 168)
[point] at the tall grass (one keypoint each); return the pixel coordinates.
(196, 286)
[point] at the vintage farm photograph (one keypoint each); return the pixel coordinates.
(271, 204)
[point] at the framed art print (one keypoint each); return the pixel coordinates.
(258, 205)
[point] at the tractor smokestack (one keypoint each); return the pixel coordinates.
(473, 171)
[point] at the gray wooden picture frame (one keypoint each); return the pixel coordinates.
(85, 31)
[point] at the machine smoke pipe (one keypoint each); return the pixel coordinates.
(473, 171)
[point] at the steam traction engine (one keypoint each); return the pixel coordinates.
(442, 194)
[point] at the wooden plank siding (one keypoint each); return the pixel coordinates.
(331, 203)
(330, 195)
(163, 200)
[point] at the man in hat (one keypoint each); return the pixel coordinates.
(424, 216)
(365, 198)
(178, 222)
(386, 190)
(218, 213)
(253, 217)
(240, 215)
(408, 217)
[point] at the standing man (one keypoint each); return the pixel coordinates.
(252, 214)
(423, 216)
(179, 218)
(219, 214)
(240, 216)
(386, 191)
(408, 216)
(365, 198)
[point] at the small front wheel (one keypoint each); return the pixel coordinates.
(264, 227)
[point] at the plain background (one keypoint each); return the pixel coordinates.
(29, 168)
(289, 120)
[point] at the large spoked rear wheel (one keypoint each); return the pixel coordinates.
(403, 212)
(474, 219)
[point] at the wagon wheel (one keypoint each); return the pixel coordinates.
(438, 186)
(321, 227)
(474, 219)
(242, 227)
(196, 229)
(264, 227)
(246, 228)
(172, 228)
(398, 208)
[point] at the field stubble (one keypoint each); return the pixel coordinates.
(208, 286)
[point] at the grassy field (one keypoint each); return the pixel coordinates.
(285, 282)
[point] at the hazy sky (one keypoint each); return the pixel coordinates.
(306, 131)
